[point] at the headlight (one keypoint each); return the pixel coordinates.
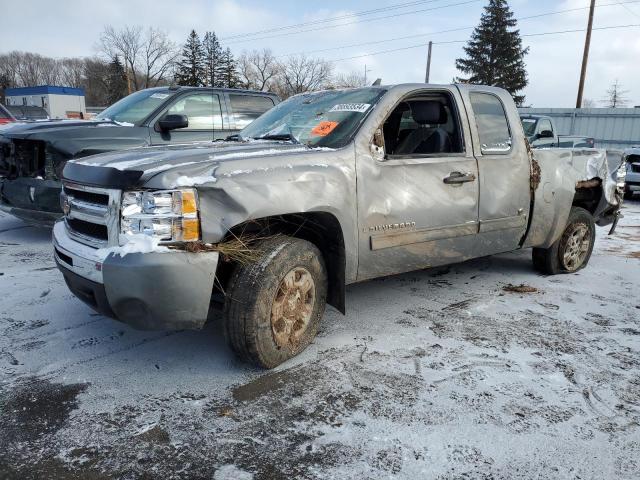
(168, 215)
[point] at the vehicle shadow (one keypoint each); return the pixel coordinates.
(15, 230)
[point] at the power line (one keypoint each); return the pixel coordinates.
(627, 9)
(331, 19)
(406, 37)
(385, 17)
(421, 45)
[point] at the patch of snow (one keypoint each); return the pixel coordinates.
(186, 181)
(134, 243)
(231, 472)
(259, 153)
(123, 165)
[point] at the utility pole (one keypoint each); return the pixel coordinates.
(585, 55)
(426, 77)
(365, 73)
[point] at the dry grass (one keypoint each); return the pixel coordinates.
(244, 249)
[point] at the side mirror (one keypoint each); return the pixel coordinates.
(545, 134)
(377, 146)
(173, 122)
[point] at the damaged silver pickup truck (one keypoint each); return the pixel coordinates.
(324, 190)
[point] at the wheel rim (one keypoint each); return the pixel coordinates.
(576, 247)
(292, 307)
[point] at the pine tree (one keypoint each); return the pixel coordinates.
(229, 70)
(191, 68)
(116, 81)
(494, 54)
(212, 59)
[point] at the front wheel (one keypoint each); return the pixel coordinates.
(274, 304)
(572, 250)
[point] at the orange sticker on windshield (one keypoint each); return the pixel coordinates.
(324, 128)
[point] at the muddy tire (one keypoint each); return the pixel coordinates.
(273, 306)
(572, 251)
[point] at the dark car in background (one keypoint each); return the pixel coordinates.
(28, 113)
(32, 155)
(5, 116)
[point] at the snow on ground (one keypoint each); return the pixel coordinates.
(431, 374)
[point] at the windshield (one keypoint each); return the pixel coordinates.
(320, 119)
(136, 107)
(529, 125)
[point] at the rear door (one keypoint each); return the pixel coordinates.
(204, 112)
(503, 166)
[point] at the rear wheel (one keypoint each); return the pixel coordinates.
(572, 250)
(274, 305)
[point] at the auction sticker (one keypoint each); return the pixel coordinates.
(323, 128)
(351, 107)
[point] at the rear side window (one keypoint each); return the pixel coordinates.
(247, 108)
(492, 124)
(202, 110)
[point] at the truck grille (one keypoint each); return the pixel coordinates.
(635, 167)
(91, 214)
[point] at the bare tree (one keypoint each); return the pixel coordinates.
(349, 80)
(301, 74)
(588, 103)
(616, 96)
(258, 69)
(148, 55)
(72, 71)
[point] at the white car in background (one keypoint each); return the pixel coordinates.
(632, 182)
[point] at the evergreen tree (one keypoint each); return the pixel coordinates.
(212, 59)
(229, 70)
(191, 68)
(494, 54)
(116, 81)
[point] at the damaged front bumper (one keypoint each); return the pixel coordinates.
(34, 200)
(149, 291)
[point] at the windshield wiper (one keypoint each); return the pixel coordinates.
(279, 136)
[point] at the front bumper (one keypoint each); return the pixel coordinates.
(34, 200)
(149, 291)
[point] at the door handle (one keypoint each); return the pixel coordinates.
(459, 177)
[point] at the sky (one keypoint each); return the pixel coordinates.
(72, 27)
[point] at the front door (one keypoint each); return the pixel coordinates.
(205, 120)
(418, 206)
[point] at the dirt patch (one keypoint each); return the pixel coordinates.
(34, 408)
(522, 288)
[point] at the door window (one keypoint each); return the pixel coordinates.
(247, 108)
(202, 110)
(426, 124)
(492, 124)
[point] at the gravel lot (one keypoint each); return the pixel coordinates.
(432, 374)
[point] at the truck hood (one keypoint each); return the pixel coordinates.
(79, 138)
(183, 165)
